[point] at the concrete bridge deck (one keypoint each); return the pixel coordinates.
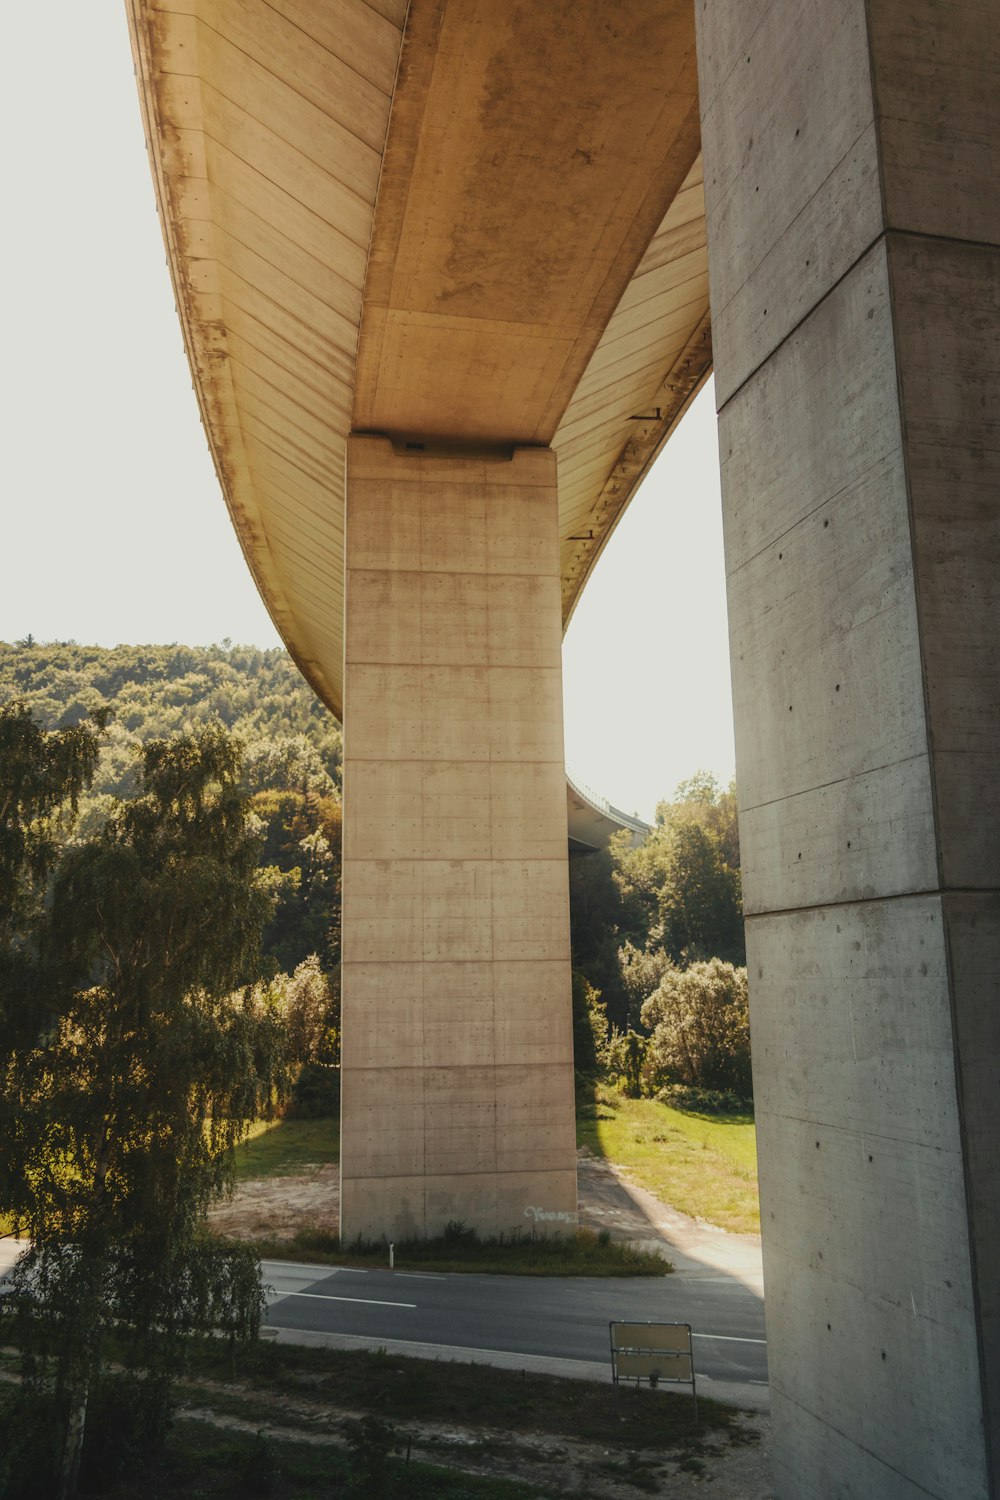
(340, 265)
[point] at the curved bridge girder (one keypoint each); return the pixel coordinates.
(462, 221)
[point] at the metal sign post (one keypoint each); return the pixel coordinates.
(654, 1352)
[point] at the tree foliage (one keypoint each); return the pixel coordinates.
(590, 1030)
(644, 913)
(44, 776)
(700, 799)
(161, 690)
(596, 922)
(683, 883)
(699, 911)
(699, 1023)
(302, 843)
(133, 1055)
(641, 971)
(291, 763)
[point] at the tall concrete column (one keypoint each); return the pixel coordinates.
(852, 155)
(457, 1034)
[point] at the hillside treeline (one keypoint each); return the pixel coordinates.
(657, 931)
(292, 753)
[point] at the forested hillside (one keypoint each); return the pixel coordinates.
(292, 752)
(158, 690)
(659, 988)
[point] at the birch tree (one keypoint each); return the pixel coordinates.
(135, 1067)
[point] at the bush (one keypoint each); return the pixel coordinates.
(627, 1060)
(32, 1423)
(316, 1095)
(259, 1465)
(700, 1023)
(372, 1442)
(695, 1101)
(457, 1233)
(590, 1031)
(128, 1416)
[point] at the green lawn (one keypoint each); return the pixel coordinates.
(276, 1148)
(704, 1165)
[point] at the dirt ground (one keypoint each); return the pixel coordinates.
(560, 1464)
(276, 1207)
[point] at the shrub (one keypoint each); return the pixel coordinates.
(700, 1024)
(372, 1442)
(692, 1100)
(316, 1094)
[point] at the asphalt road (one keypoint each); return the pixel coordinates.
(562, 1318)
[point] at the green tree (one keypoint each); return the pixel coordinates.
(302, 842)
(700, 908)
(43, 778)
(590, 1030)
(596, 917)
(681, 886)
(641, 971)
(700, 1024)
(312, 1019)
(288, 762)
(626, 1058)
(701, 800)
(136, 1067)
(640, 872)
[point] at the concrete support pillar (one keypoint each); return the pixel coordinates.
(457, 1034)
(852, 154)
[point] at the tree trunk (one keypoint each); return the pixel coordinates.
(73, 1445)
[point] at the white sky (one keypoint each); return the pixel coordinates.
(113, 525)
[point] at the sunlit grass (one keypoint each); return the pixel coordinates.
(704, 1165)
(278, 1148)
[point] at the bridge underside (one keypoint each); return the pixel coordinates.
(465, 244)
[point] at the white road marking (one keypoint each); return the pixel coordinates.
(301, 1265)
(725, 1338)
(327, 1297)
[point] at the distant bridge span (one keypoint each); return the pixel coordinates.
(443, 274)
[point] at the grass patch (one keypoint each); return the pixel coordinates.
(580, 1253)
(317, 1449)
(278, 1148)
(200, 1459)
(704, 1165)
(311, 1399)
(405, 1391)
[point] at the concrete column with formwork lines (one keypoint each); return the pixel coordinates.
(851, 156)
(457, 1091)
